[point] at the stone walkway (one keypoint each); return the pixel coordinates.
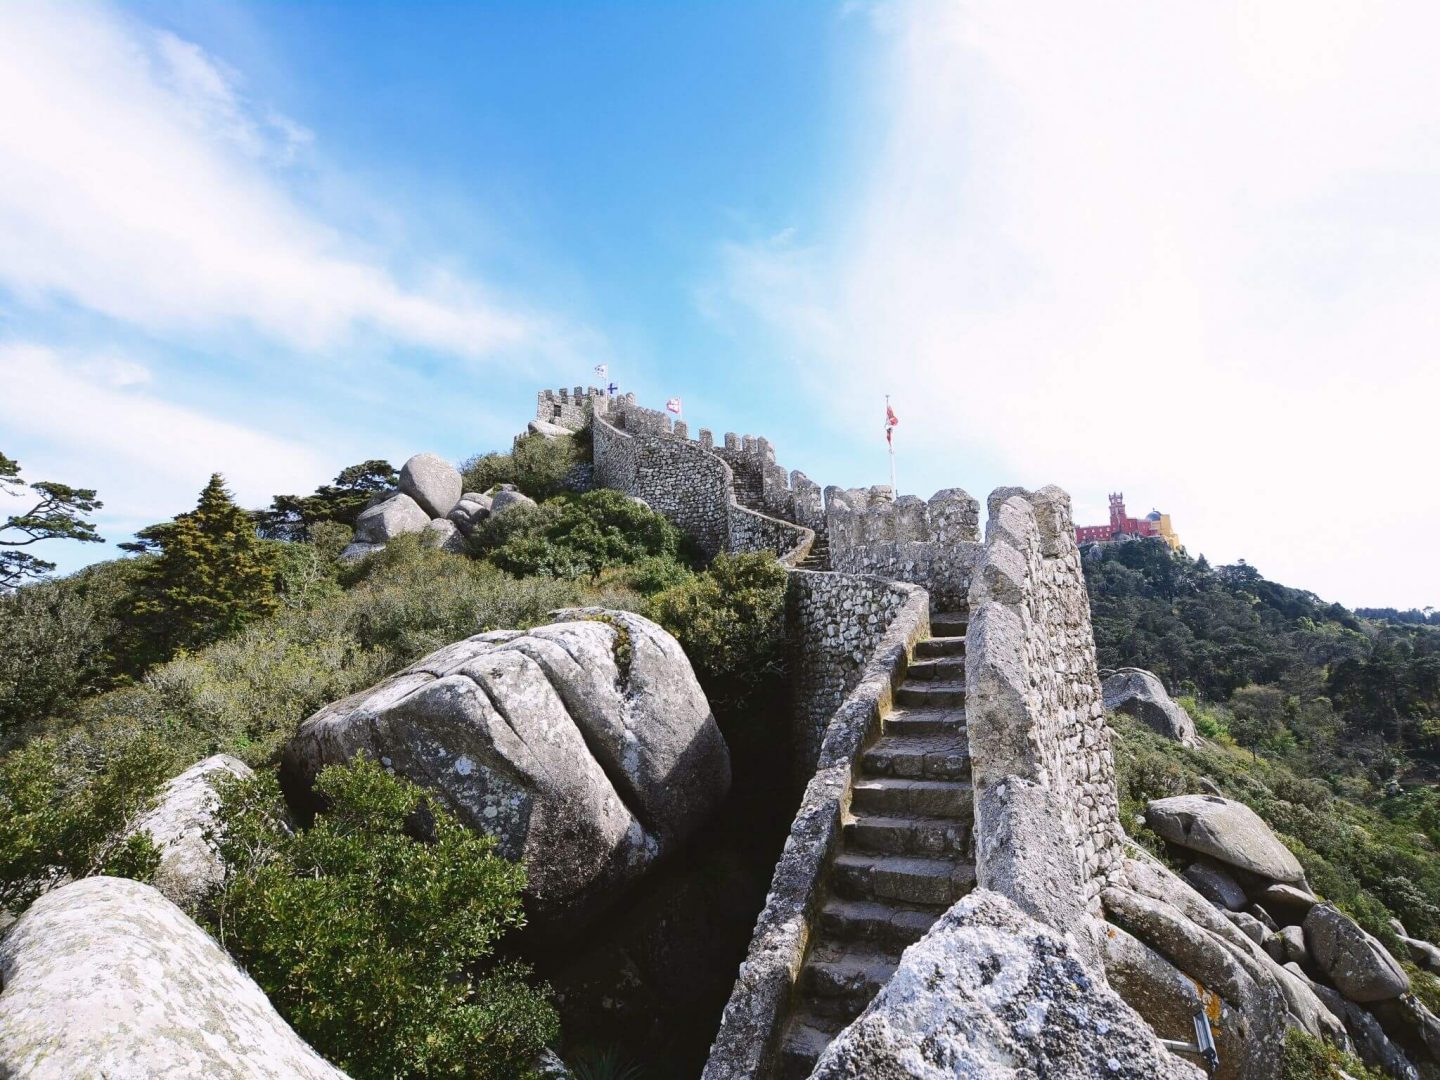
(905, 854)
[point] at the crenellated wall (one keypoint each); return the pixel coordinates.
(934, 543)
(1047, 818)
(645, 453)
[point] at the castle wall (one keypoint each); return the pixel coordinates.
(569, 408)
(643, 452)
(834, 623)
(934, 544)
(1047, 819)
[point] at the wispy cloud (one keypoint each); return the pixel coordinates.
(137, 180)
(93, 423)
(1190, 250)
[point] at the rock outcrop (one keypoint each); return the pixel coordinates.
(190, 870)
(1138, 693)
(107, 978)
(1228, 831)
(586, 747)
(396, 515)
(1358, 965)
(432, 482)
(990, 992)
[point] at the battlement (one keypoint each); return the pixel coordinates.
(570, 409)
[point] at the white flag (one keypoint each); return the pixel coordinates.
(673, 405)
(602, 370)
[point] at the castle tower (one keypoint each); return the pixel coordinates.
(1117, 512)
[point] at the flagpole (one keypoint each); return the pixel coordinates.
(894, 491)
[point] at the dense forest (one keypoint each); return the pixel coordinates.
(1322, 721)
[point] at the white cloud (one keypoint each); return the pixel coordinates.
(147, 457)
(138, 181)
(1189, 250)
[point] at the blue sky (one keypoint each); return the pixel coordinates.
(1191, 254)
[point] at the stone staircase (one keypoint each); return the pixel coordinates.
(905, 853)
(819, 556)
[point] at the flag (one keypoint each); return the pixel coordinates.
(612, 389)
(673, 405)
(602, 370)
(891, 421)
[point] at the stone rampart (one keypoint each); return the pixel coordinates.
(1046, 816)
(569, 408)
(746, 1043)
(643, 452)
(934, 543)
(834, 623)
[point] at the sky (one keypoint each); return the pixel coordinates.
(1187, 252)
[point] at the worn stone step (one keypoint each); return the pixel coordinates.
(840, 985)
(908, 835)
(937, 669)
(949, 623)
(940, 646)
(922, 720)
(890, 796)
(921, 692)
(937, 756)
(806, 1037)
(858, 875)
(888, 925)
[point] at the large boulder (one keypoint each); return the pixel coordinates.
(1228, 831)
(505, 500)
(1215, 885)
(190, 869)
(432, 482)
(470, 512)
(445, 535)
(990, 992)
(1358, 965)
(106, 978)
(389, 518)
(1138, 693)
(586, 747)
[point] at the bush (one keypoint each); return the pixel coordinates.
(61, 640)
(1306, 1057)
(730, 620)
(579, 536)
(538, 466)
(373, 930)
(61, 816)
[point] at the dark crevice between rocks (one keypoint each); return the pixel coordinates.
(651, 977)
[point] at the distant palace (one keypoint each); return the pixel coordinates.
(1153, 525)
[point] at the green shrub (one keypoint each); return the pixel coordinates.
(1306, 1057)
(579, 536)
(373, 930)
(538, 466)
(730, 620)
(61, 815)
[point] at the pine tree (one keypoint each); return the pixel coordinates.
(212, 574)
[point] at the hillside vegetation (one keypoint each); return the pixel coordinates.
(1323, 722)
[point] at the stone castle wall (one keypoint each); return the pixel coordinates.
(569, 408)
(834, 623)
(1047, 819)
(645, 453)
(934, 543)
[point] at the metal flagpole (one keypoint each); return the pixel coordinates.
(890, 440)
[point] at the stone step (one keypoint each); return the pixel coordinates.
(949, 623)
(939, 756)
(841, 984)
(920, 720)
(937, 669)
(858, 875)
(890, 796)
(940, 646)
(887, 925)
(806, 1037)
(920, 692)
(934, 837)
